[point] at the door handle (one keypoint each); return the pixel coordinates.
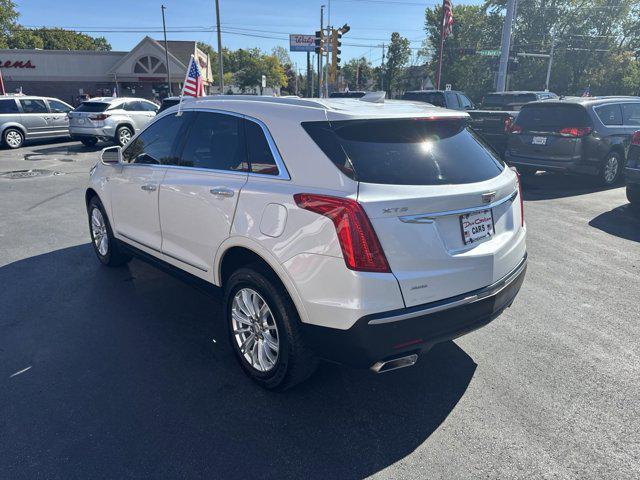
(222, 192)
(149, 187)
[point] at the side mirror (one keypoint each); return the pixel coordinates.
(111, 155)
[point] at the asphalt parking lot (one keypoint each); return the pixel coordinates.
(126, 373)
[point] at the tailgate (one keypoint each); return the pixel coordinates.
(421, 232)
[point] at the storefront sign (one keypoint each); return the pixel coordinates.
(16, 64)
(302, 43)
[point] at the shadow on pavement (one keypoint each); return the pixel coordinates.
(66, 149)
(550, 185)
(127, 381)
(622, 222)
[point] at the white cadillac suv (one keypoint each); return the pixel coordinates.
(349, 230)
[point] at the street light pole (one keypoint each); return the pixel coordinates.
(166, 49)
(220, 66)
(321, 52)
(553, 44)
(505, 46)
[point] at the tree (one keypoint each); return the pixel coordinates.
(8, 17)
(358, 73)
(282, 55)
(397, 57)
(25, 39)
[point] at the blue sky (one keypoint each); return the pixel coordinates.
(371, 21)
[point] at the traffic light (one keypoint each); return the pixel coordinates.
(336, 35)
(319, 41)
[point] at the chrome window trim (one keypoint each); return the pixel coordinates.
(430, 217)
(283, 173)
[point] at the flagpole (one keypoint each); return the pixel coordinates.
(183, 84)
(439, 73)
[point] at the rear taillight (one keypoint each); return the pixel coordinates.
(508, 123)
(575, 131)
(520, 195)
(635, 138)
(359, 243)
(101, 116)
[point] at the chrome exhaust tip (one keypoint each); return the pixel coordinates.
(395, 363)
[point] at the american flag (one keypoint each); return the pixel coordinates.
(193, 83)
(447, 19)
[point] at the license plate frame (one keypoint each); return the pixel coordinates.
(539, 140)
(477, 218)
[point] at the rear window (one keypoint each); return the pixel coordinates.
(435, 98)
(8, 106)
(92, 107)
(552, 117)
(500, 101)
(406, 151)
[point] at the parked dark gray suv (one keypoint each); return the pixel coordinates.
(589, 135)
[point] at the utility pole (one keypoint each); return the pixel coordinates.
(166, 51)
(329, 41)
(320, 54)
(505, 46)
(553, 44)
(382, 70)
(309, 75)
(220, 66)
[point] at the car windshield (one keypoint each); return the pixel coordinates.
(552, 117)
(406, 151)
(92, 107)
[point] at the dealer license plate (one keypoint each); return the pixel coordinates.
(476, 226)
(539, 141)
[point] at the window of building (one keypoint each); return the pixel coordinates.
(149, 64)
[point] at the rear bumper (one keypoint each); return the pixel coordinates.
(78, 133)
(412, 330)
(570, 164)
(632, 175)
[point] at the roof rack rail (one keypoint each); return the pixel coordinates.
(288, 100)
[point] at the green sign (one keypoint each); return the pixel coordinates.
(489, 53)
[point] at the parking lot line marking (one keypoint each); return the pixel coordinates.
(21, 371)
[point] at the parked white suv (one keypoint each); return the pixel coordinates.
(110, 119)
(357, 232)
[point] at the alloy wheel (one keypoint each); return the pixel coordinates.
(13, 139)
(124, 135)
(254, 330)
(611, 169)
(99, 232)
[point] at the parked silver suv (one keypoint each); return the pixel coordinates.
(25, 117)
(110, 119)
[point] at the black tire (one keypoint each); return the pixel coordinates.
(89, 142)
(13, 138)
(295, 360)
(633, 195)
(113, 255)
(606, 176)
(121, 133)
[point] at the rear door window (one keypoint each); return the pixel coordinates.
(552, 117)
(631, 114)
(215, 142)
(610, 114)
(465, 103)
(452, 101)
(406, 151)
(33, 106)
(8, 106)
(258, 150)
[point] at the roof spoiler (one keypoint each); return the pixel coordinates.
(373, 97)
